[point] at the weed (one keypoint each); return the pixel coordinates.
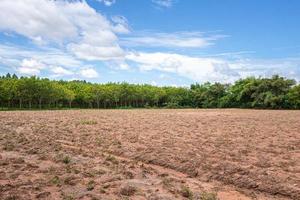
(42, 195)
(12, 197)
(186, 192)
(90, 185)
(99, 141)
(32, 151)
(88, 122)
(70, 180)
(9, 147)
(68, 197)
(128, 190)
(66, 159)
(112, 159)
(107, 185)
(68, 169)
(128, 174)
(55, 180)
(167, 182)
(102, 190)
(208, 196)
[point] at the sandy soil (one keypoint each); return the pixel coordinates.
(150, 154)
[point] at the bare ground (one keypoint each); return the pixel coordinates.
(150, 154)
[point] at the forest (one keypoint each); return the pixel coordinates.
(253, 92)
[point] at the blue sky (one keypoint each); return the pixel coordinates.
(160, 42)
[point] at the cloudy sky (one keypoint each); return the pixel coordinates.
(161, 42)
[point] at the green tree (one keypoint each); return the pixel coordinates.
(294, 97)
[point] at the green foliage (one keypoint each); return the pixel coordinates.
(36, 93)
(293, 97)
(261, 92)
(209, 95)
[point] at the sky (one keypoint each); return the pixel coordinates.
(158, 42)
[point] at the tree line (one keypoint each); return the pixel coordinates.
(41, 93)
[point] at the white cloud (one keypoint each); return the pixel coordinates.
(120, 24)
(288, 67)
(89, 73)
(171, 40)
(154, 83)
(223, 69)
(12, 55)
(90, 52)
(107, 2)
(36, 19)
(124, 66)
(30, 67)
(60, 71)
(55, 62)
(74, 23)
(163, 3)
(195, 68)
(214, 69)
(118, 65)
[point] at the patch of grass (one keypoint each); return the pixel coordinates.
(90, 185)
(12, 197)
(9, 146)
(76, 171)
(70, 180)
(32, 151)
(117, 143)
(99, 141)
(19, 160)
(128, 190)
(89, 174)
(102, 190)
(66, 159)
(167, 182)
(112, 159)
(68, 197)
(105, 186)
(208, 196)
(88, 122)
(55, 181)
(128, 174)
(42, 195)
(186, 192)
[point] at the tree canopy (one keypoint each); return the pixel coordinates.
(41, 93)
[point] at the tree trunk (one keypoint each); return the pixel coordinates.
(20, 103)
(40, 103)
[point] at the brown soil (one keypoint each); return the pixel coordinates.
(150, 154)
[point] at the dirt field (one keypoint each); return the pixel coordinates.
(150, 154)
